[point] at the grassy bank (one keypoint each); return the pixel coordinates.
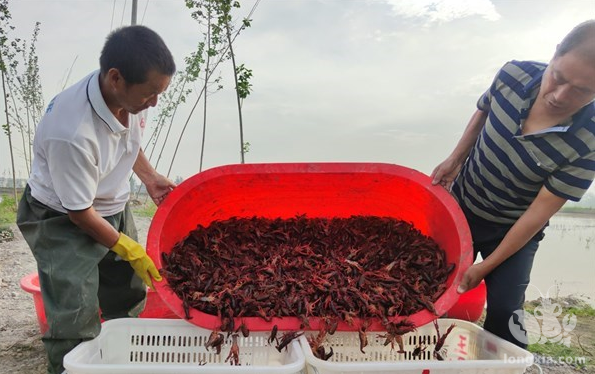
(142, 207)
(8, 216)
(8, 211)
(578, 210)
(579, 353)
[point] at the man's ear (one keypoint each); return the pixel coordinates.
(114, 78)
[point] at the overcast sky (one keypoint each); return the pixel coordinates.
(390, 81)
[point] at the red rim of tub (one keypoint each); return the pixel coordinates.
(27, 283)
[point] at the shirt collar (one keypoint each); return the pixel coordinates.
(99, 106)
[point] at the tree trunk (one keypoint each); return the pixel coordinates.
(235, 76)
(14, 176)
(204, 112)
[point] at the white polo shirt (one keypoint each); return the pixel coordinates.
(83, 156)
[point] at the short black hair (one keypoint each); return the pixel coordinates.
(578, 38)
(135, 51)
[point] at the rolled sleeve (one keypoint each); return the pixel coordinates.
(574, 179)
(483, 103)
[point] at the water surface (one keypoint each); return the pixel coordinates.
(565, 261)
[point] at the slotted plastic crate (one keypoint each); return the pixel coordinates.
(155, 346)
(467, 349)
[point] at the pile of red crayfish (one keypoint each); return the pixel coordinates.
(364, 267)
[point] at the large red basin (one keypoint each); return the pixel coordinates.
(317, 190)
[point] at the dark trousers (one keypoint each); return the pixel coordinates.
(507, 283)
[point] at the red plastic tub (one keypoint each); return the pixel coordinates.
(470, 305)
(30, 283)
(154, 307)
(317, 190)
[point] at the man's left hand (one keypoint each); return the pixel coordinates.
(472, 277)
(159, 188)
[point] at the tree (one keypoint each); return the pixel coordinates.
(21, 88)
(6, 54)
(24, 89)
(213, 48)
(219, 36)
(205, 13)
(241, 75)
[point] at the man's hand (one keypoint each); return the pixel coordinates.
(445, 173)
(472, 277)
(135, 254)
(159, 187)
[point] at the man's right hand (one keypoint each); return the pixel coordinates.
(136, 255)
(445, 173)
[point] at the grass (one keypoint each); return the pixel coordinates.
(569, 305)
(143, 207)
(577, 209)
(585, 311)
(582, 345)
(8, 211)
(553, 350)
(8, 216)
(579, 348)
(557, 350)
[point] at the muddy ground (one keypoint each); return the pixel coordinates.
(21, 350)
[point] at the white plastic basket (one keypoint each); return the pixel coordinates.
(467, 349)
(156, 346)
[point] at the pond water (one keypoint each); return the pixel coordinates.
(565, 261)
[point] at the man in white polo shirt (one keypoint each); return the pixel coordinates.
(74, 213)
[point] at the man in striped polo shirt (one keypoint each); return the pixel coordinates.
(528, 149)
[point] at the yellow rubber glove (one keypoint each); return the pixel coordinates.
(135, 254)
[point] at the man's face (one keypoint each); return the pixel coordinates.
(135, 98)
(568, 84)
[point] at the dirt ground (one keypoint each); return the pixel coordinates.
(21, 349)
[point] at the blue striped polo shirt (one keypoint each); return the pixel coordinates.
(506, 169)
